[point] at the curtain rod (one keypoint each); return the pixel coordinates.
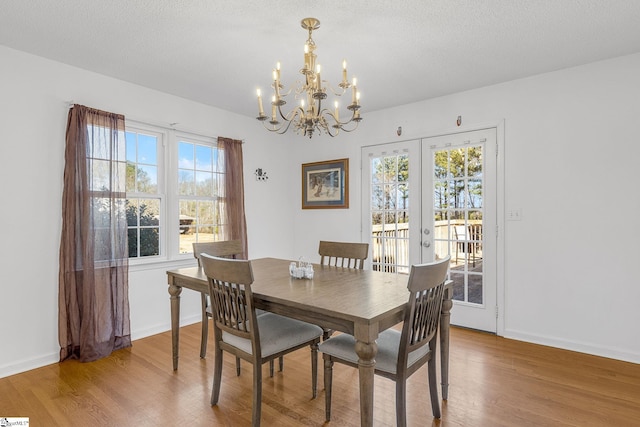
(167, 126)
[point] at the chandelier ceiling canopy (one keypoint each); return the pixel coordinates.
(310, 115)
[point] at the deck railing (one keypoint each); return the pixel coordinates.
(390, 246)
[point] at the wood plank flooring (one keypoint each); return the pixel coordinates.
(494, 382)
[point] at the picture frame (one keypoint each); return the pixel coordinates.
(325, 185)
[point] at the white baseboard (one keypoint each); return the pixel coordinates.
(27, 365)
(580, 347)
(163, 327)
(51, 358)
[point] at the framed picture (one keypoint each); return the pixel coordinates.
(325, 185)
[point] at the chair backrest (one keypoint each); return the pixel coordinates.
(221, 249)
(475, 232)
(422, 317)
(343, 254)
(460, 232)
(231, 297)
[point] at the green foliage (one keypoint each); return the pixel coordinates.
(138, 180)
(457, 183)
(149, 238)
(143, 232)
(391, 188)
(458, 179)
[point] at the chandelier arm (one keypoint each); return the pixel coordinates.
(286, 128)
(282, 95)
(333, 129)
(271, 129)
(342, 90)
(355, 118)
(298, 111)
(330, 133)
(282, 114)
(328, 112)
(280, 130)
(350, 130)
(290, 119)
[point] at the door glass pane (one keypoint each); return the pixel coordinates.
(389, 212)
(377, 194)
(458, 213)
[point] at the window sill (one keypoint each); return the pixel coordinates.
(162, 264)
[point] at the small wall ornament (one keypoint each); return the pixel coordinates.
(261, 174)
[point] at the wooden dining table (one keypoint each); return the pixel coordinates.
(362, 303)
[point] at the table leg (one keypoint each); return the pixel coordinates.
(445, 317)
(366, 368)
(175, 291)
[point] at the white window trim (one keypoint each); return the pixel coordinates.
(162, 135)
(167, 192)
(174, 216)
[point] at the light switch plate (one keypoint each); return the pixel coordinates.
(514, 214)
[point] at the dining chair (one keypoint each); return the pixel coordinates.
(343, 254)
(468, 241)
(224, 249)
(239, 331)
(400, 353)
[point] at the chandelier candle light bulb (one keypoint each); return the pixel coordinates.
(316, 117)
(261, 111)
(344, 72)
(318, 79)
(353, 92)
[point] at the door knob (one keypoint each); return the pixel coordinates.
(426, 244)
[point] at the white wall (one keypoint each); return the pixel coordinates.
(569, 276)
(571, 154)
(34, 106)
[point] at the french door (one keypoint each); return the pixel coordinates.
(429, 198)
(459, 219)
(391, 205)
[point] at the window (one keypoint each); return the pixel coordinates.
(106, 170)
(144, 201)
(200, 193)
(174, 202)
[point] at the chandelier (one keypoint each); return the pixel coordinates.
(310, 115)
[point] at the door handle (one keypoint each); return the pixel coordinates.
(426, 244)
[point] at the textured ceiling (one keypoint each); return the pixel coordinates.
(219, 52)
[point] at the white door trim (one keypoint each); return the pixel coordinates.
(499, 125)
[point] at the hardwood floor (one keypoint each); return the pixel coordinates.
(494, 382)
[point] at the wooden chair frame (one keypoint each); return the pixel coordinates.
(343, 254)
(233, 313)
(468, 241)
(420, 327)
(223, 249)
